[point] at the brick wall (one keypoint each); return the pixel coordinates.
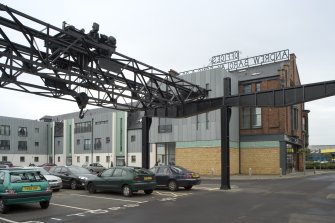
(206, 161)
(261, 161)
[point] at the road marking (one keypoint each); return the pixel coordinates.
(62, 205)
(56, 219)
(207, 188)
(171, 194)
(331, 196)
(109, 198)
(7, 220)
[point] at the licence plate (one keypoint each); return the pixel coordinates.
(31, 188)
(147, 178)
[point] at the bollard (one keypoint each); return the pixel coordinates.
(280, 172)
(250, 171)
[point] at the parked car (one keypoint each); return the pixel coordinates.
(18, 186)
(94, 167)
(10, 164)
(173, 177)
(55, 182)
(74, 177)
(47, 166)
(123, 179)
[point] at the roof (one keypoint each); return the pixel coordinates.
(259, 72)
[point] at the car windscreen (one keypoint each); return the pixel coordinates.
(16, 177)
(178, 169)
(79, 170)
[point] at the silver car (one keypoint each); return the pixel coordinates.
(55, 183)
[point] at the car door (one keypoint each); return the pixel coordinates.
(116, 180)
(106, 180)
(66, 176)
(162, 175)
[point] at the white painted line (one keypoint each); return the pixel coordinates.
(109, 198)
(56, 219)
(206, 188)
(172, 194)
(7, 220)
(61, 205)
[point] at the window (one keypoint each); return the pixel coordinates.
(97, 159)
(117, 173)
(82, 127)
(133, 159)
(87, 144)
(165, 125)
(58, 143)
(108, 139)
(133, 138)
(22, 146)
(4, 145)
(5, 130)
(23, 132)
(108, 159)
(101, 122)
(37, 130)
(37, 144)
(58, 158)
(207, 88)
(36, 159)
(207, 120)
(251, 117)
(4, 158)
(87, 159)
(247, 89)
(258, 87)
(78, 141)
(197, 122)
(22, 159)
(294, 120)
(78, 159)
(97, 143)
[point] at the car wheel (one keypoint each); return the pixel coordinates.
(126, 190)
(73, 185)
(91, 188)
(3, 208)
(148, 191)
(44, 204)
(188, 187)
(173, 185)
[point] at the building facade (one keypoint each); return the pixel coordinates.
(262, 140)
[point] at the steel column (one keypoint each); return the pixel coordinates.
(146, 123)
(225, 119)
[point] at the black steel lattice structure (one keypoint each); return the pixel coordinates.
(72, 65)
(69, 64)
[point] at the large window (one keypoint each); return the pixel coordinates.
(4, 145)
(165, 125)
(22, 146)
(23, 132)
(87, 144)
(251, 117)
(294, 121)
(97, 143)
(82, 127)
(5, 130)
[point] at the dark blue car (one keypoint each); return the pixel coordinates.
(174, 177)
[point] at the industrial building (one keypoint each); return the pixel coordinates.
(262, 140)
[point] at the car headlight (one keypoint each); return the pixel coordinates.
(83, 178)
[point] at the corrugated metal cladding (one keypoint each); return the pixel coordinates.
(134, 141)
(102, 131)
(36, 136)
(197, 128)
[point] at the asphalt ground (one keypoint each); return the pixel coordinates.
(294, 199)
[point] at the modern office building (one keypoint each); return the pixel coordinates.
(262, 140)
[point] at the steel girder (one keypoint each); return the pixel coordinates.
(41, 59)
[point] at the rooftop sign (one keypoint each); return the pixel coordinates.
(231, 62)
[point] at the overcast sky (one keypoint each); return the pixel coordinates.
(183, 35)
